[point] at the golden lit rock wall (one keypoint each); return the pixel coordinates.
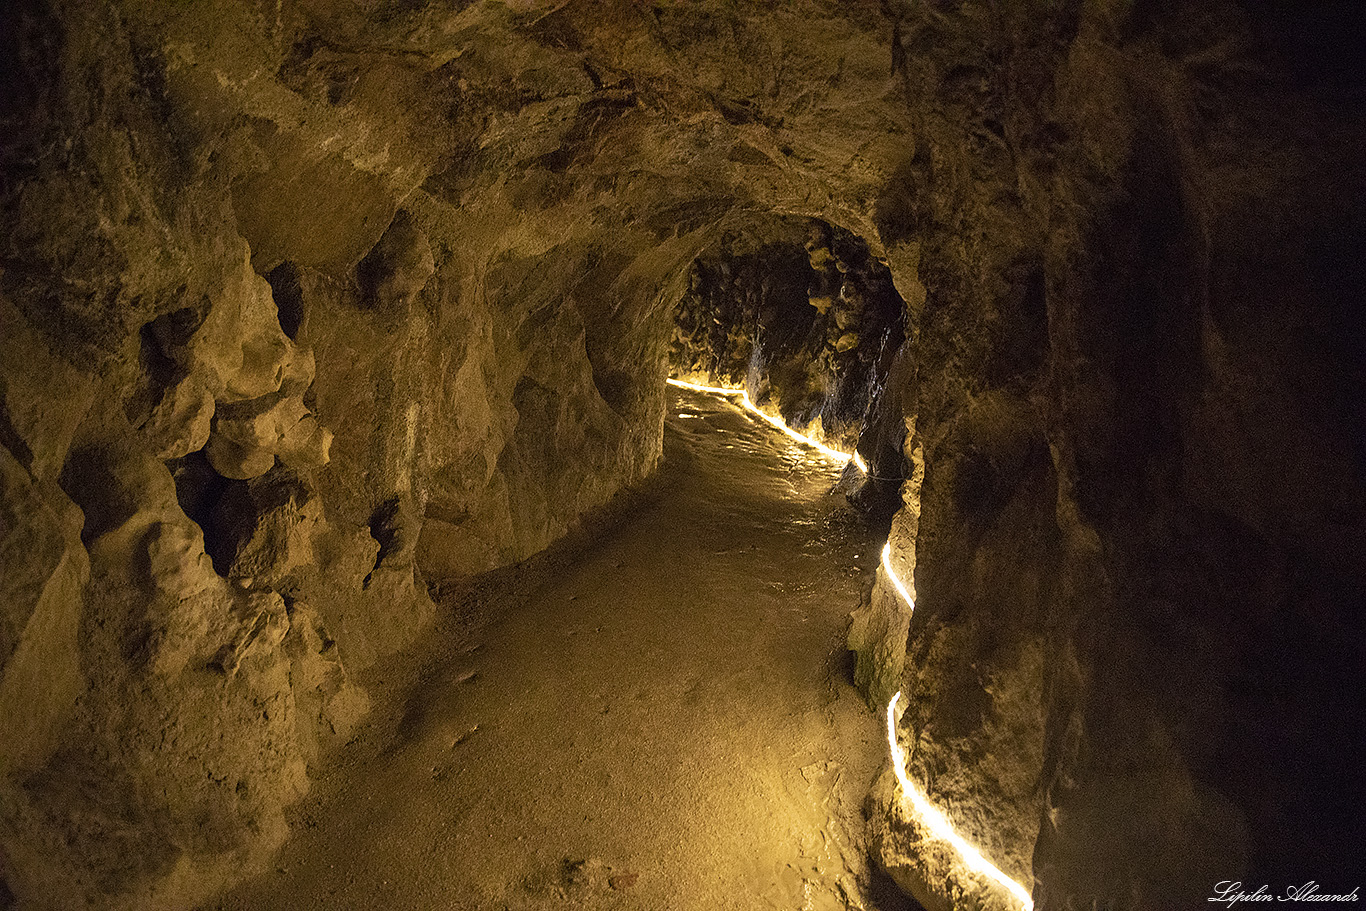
(1135, 598)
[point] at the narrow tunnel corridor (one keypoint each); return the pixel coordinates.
(667, 721)
(355, 551)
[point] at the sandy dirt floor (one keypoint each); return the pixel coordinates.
(657, 719)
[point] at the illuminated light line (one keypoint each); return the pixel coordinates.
(698, 387)
(930, 816)
(934, 819)
(896, 580)
(800, 438)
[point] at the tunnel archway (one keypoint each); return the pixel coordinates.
(808, 321)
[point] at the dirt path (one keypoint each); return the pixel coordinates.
(665, 724)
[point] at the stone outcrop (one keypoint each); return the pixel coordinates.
(306, 303)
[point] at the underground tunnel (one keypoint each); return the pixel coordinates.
(681, 454)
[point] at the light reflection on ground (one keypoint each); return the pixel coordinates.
(663, 722)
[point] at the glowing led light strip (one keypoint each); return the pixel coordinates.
(930, 816)
(698, 387)
(896, 580)
(749, 405)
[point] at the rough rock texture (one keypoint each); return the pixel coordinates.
(327, 292)
(1130, 672)
(809, 326)
(303, 301)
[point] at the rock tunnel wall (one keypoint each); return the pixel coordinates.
(305, 303)
(1136, 537)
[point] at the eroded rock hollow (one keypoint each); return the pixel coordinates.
(309, 305)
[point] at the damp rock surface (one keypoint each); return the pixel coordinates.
(664, 720)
